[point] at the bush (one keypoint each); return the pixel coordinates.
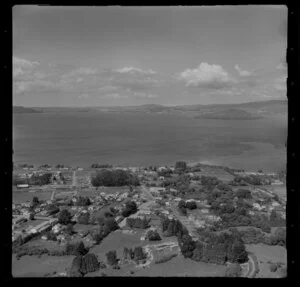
(111, 257)
(83, 201)
(130, 208)
(69, 229)
(244, 194)
(84, 218)
(138, 222)
(233, 270)
(165, 258)
(97, 165)
(273, 267)
(64, 217)
(40, 179)
(187, 245)
(89, 263)
(75, 249)
(191, 205)
(153, 235)
(114, 178)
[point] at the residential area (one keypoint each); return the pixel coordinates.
(181, 220)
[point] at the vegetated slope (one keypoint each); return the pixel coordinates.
(22, 110)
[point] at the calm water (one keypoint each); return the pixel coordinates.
(81, 139)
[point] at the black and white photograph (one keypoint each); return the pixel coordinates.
(149, 141)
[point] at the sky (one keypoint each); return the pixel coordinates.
(123, 56)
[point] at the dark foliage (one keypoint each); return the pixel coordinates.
(180, 165)
(130, 208)
(84, 218)
(83, 201)
(153, 235)
(111, 257)
(64, 217)
(114, 178)
(98, 165)
(138, 222)
(76, 248)
(40, 179)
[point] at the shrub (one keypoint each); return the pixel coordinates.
(40, 179)
(75, 270)
(187, 245)
(89, 263)
(111, 257)
(64, 217)
(139, 254)
(244, 193)
(233, 270)
(69, 229)
(165, 258)
(138, 222)
(153, 235)
(84, 218)
(191, 205)
(75, 249)
(83, 201)
(130, 208)
(273, 267)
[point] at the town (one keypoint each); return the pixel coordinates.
(107, 220)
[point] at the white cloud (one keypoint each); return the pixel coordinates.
(280, 84)
(133, 70)
(281, 66)
(22, 67)
(83, 96)
(115, 96)
(242, 73)
(213, 76)
(144, 95)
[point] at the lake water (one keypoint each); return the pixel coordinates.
(139, 139)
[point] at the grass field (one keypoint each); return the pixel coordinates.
(32, 266)
(266, 254)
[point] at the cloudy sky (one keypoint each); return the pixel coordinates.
(108, 56)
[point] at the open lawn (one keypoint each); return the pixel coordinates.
(32, 266)
(265, 255)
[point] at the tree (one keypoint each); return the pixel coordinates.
(64, 217)
(191, 205)
(152, 235)
(76, 266)
(181, 204)
(111, 224)
(237, 252)
(187, 245)
(89, 263)
(130, 208)
(76, 248)
(111, 257)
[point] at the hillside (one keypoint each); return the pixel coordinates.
(23, 110)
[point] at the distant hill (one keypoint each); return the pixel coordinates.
(229, 114)
(23, 110)
(246, 111)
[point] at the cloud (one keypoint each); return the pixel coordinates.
(83, 96)
(22, 67)
(133, 70)
(280, 84)
(242, 73)
(107, 89)
(282, 66)
(115, 96)
(210, 76)
(144, 95)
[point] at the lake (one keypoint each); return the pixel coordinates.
(139, 139)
